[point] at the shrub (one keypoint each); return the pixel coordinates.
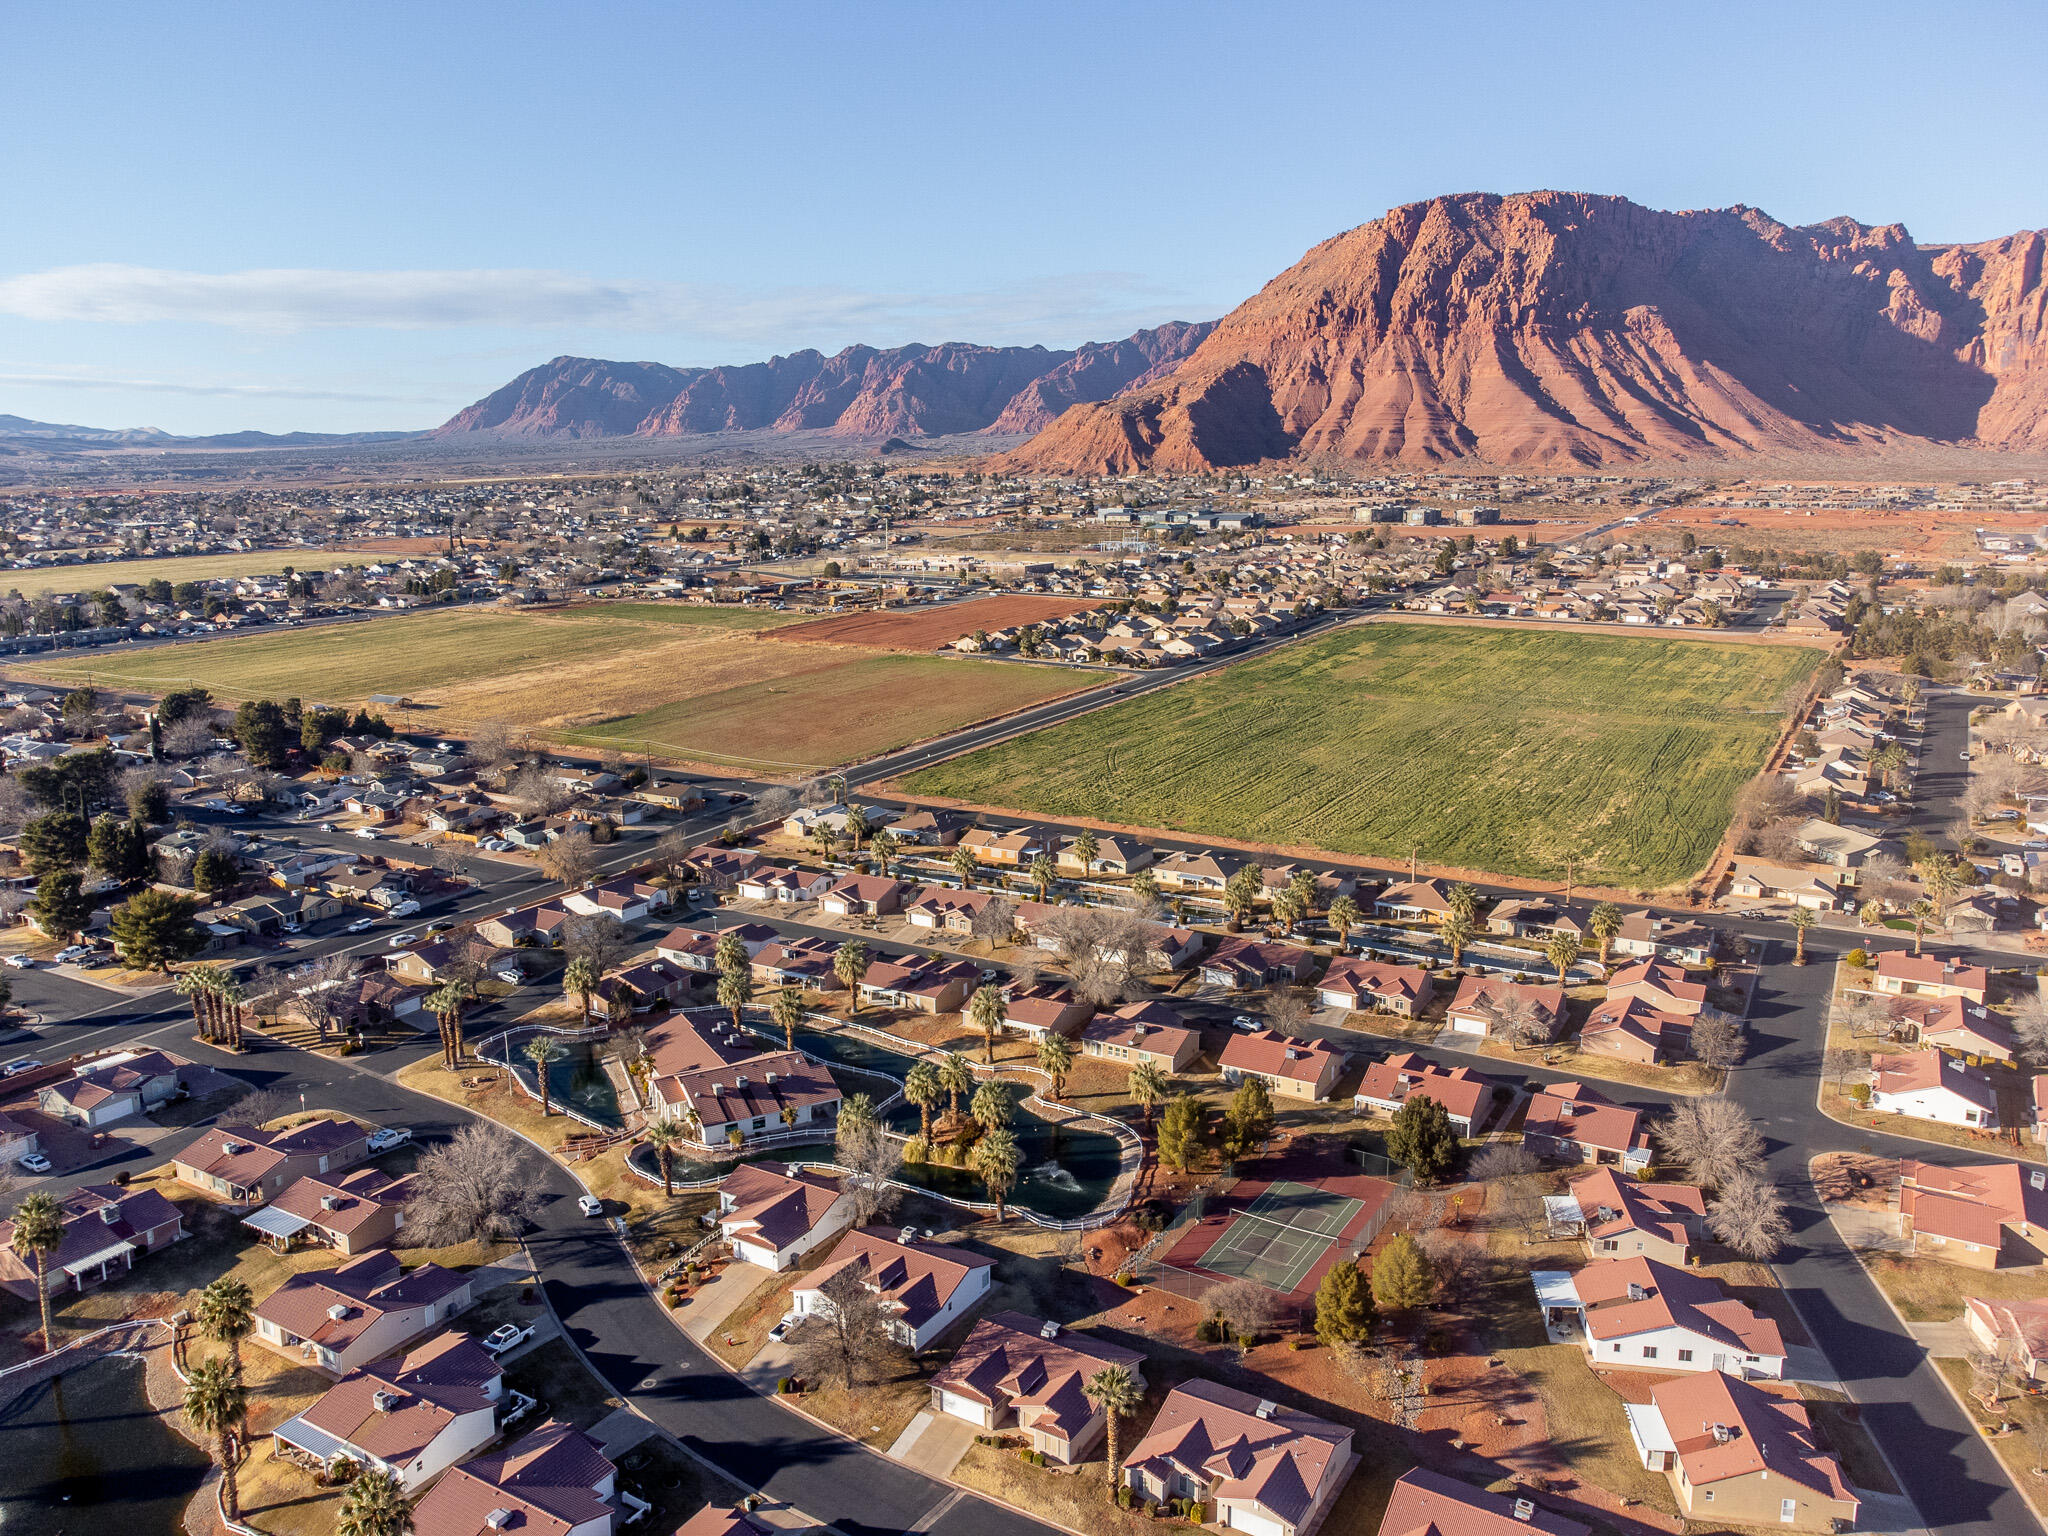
(1247, 1340)
(1125, 1279)
(1124, 1496)
(1860, 1092)
(1209, 1331)
(1860, 958)
(1299, 1343)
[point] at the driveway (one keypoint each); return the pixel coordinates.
(711, 1304)
(933, 1443)
(1868, 1231)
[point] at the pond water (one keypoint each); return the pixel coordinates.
(1067, 1171)
(85, 1455)
(576, 1080)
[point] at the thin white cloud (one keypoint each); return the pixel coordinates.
(235, 391)
(298, 299)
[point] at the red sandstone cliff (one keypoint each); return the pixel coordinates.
(1559, 328)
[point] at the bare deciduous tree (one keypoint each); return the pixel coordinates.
(871, 1158)
(489, 744)
(775, 804)
(597, 937)
(1245, 1307)
(1719, 1039)
(847, 1338)
(996, 922)
(1712, 1137)
(1749, 1216)
(260, 1106)
(321, 994)
(1509, 1173)
(538, 791)
(483, 1186)
(1288, 1009)
(2030, 1027)
(570, 859)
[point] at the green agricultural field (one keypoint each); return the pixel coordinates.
(1502, 750)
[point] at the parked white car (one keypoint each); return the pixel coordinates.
(384, 1138)
(590, 1205)
(22, 962)
(35, 1162)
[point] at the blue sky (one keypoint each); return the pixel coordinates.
(361, 216)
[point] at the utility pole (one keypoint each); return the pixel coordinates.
(1568, 880)
(1413, 854)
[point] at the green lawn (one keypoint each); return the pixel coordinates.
(1500, 750)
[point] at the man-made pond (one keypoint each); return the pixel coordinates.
(1068, 1170)
(575, 1081)
(85, 1455)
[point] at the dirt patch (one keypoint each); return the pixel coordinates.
(929, 628)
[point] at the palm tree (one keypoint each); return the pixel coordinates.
(1464, 897)
(664, 1136)
(197, 986)
(857, 826)
(1457, 930)
(374, 1505)
(445, 1004)
(883, 847)
(992, 1106)
(1085, 848)
(922, 1087)
(1287, 908)
(543, 1051)
(228, 997)
(226, 1315)
(1043, 873)
(38, 1233)
(735, 991)
(788, 1011)
(1562, 951)
(1345, 916)
(1604, 925)
(1145, 886)
(1056, 1060)
(1115, 1396)
(965, 864)
(1802, 918)
(1886, 761)
(579, 980)
(985, 1011)
(1943, 877)
(1920, 912)
(956, 1077)
(215, 1403)
(849, 965)
(996, 1158)
(1870, 914)
(1147, 1085)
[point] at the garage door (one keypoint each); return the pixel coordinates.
(953, 1404)
(1254, 1524)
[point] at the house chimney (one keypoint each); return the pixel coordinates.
(1636, 1292)
(1525, 1509)
(1721, 1433)
(110, 1214)
(1265, 1409)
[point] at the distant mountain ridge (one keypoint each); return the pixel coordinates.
(19, 430)
(861, 392)
(1564, 329)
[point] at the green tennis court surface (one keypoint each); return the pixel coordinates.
(1280, 1236)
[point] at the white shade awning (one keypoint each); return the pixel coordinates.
(272, 1222)
(94, 1260)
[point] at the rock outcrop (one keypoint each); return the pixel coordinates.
(862, 392)
(1554, 328)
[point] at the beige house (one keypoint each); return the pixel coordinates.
(1737, 1455)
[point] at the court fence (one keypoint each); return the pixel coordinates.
(1149, 1267)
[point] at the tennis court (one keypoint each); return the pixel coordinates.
(1280, 1236)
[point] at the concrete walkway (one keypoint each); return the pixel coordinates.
(933, 1443)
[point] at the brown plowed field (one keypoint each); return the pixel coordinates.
(926, 629)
